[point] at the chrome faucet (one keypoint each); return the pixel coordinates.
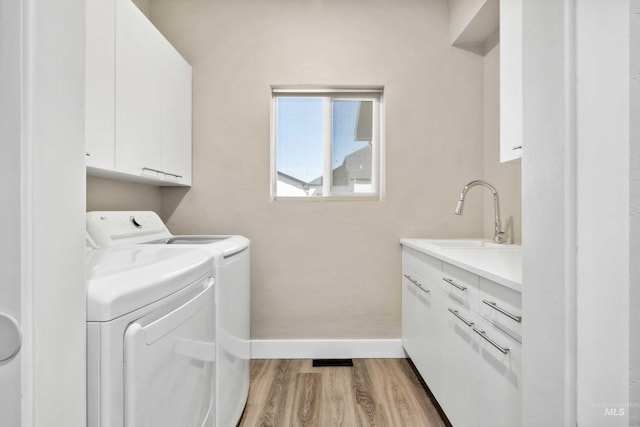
(499, 235)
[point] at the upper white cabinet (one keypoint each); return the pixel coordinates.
(477, 26)
(100, 85)
(138, 99)
(511, 101)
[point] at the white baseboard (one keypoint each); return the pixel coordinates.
(327, 349)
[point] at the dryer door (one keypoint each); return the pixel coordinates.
(169, 363)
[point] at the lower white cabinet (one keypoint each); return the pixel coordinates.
(420, 300)
(472, 367)
(458, 397)
(412, 316)
(498, 377)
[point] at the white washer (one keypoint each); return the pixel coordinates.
(150, 337)
(231, 259)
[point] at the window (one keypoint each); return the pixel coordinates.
(326, 143)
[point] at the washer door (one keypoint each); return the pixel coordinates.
(169, 363)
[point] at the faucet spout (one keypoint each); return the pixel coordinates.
(459, 208)
(498, 236)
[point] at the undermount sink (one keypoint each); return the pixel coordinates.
(464, 243)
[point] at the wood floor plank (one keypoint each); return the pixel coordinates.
(368, 407)
(395, 396)
(410, 406)
(257, 368)
(275, 406)
(307, 400)
(374, 392)
(413, 382)
(337, 394)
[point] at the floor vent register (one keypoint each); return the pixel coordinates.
(330, 363)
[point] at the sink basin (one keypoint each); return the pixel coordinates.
(464, 243)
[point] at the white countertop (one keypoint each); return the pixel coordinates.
(502, 264)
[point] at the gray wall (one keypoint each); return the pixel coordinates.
(112, 195)
(329, 269)
(326, 269)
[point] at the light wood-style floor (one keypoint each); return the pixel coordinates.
(374, 392)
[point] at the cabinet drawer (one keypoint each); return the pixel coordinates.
(502, 307)
(421, 287)
(428, 267)
(460, 285)
(458, 314)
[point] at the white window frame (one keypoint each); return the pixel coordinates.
(374, 94)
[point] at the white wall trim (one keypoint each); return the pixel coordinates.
(549, 206)
(603, 117)
(327, 349)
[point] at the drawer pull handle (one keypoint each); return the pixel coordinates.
(455, 313)
(483, 334)
(415, 282)
(452, 283)
(517, 147)
(502, 310)
(426, 291)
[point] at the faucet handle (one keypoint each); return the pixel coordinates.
(500, 238)
(504, 236)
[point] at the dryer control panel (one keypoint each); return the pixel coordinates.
(114, 228)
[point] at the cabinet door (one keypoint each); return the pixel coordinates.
(459, 369)
(139, 92)
(100, 83)
(431, 345)
(500, 376)
(421, 327)
(411, 317)
(176, 116)
(511, 97)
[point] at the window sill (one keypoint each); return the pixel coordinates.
(367, 198)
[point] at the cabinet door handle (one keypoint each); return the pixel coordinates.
(483, 334)
(418, 284)
(452, 283)
(172, 174)
(502, 310)
(455, 313)
(151, 170)
(159, 171)
(517, 147)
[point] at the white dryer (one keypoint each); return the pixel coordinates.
(231, 261)
(150, 337)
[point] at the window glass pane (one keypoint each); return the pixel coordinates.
(299, 147)
(351, 158)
